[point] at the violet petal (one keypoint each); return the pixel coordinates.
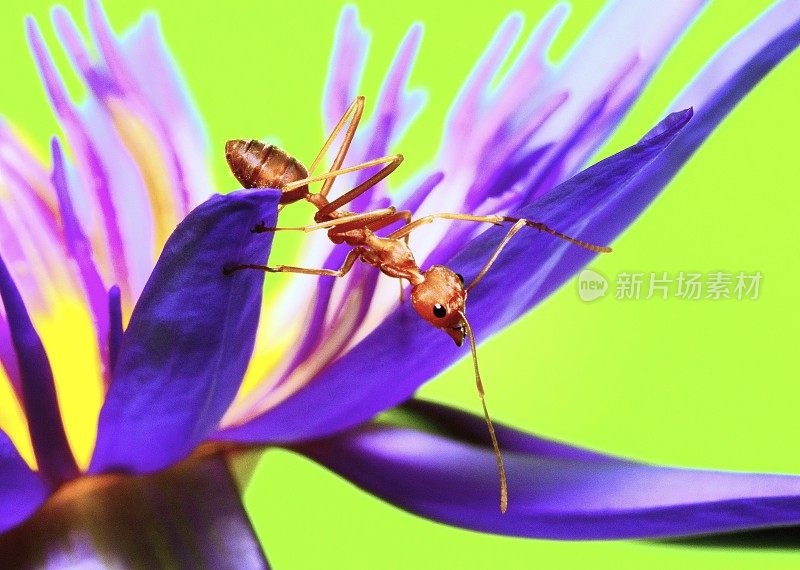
(39, 399)
(404, 351)
(81, 142)
(190, 336)
(21, 490)
(555, 491)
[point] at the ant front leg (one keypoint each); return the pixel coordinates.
(351, 258)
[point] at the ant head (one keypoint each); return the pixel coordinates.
(439, 299)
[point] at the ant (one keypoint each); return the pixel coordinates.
(437, 294)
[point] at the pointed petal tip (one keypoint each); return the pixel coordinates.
(33, 34)
(59, 15)
(515, 20)
(349, 12)
(415, 32)
(94, 8)
(55, 148)
(671, 124)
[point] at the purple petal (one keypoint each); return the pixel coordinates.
(730, 60)
(168, 112)
(619, 69)
(346, 66)
(30, 235)
(713, 107)
(96, 175)
(159, 79)
(21, 490)
(190, 336)
(404, 351)
(39, 400)
(555, 491)
(395, 109)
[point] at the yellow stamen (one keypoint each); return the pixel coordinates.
(69, 337)
(12, 420)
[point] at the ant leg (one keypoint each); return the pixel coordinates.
(410, 227)
(392, 160)
(355, 111)
(514, 229)
(357, 219)
(380, 219)
(497, 220)
(341, 272)
(404, 215)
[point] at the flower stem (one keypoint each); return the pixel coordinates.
(188, 516)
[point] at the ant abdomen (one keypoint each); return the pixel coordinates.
(258, 165)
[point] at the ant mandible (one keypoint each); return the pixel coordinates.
(437, 294)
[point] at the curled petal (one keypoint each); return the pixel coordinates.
(21, 490)
(190, 336)
(555, 491)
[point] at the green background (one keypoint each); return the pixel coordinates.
(694, 383)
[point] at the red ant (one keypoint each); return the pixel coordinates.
(437, 294)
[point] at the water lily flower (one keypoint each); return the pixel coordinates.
(135, 367)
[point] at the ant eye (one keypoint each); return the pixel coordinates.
(439, 311)
(460, 278)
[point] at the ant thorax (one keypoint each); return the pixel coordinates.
(392, 257)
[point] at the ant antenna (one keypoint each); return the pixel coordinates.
(586, 245)
(479, 384)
